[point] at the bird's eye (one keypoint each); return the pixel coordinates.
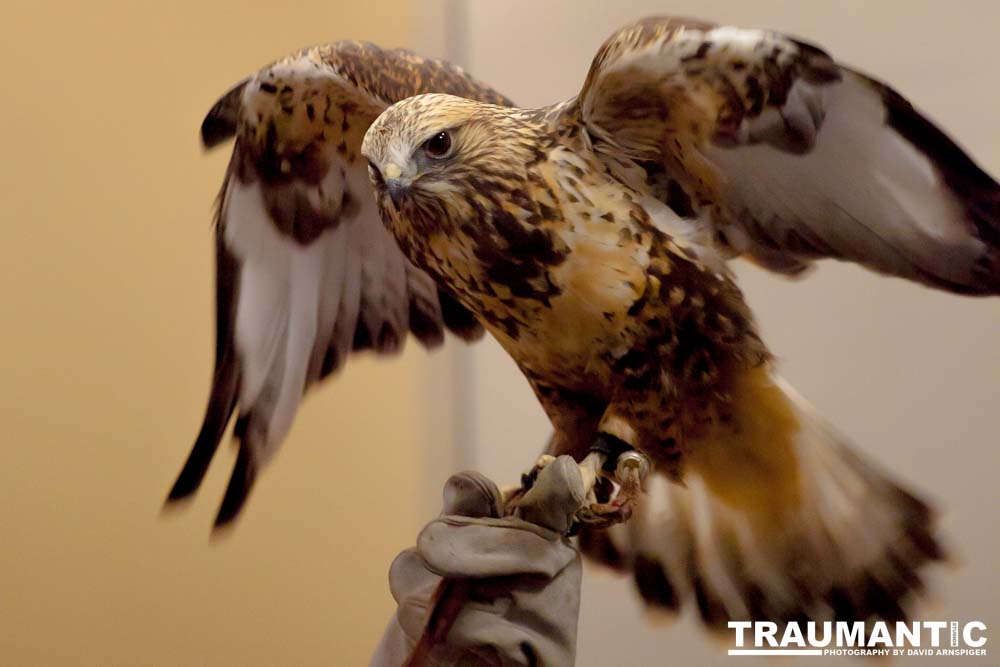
(438, 146)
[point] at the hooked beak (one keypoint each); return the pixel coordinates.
(395, 183)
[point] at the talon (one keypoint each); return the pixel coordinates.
(604, 515)
(617, 510)
(631, 469)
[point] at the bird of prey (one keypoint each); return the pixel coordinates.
(591, 239)
(306, 273)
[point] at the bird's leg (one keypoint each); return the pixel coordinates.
(609, 458)
(629, 467)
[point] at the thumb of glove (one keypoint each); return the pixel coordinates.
(555, 497)
(472, 494)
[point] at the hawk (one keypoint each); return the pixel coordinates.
(591, 239)
(306, 273)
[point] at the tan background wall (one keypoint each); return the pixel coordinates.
(910, 374)
(106, 342)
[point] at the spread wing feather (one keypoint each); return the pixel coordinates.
(785, 157)
(306, 272)
(791, 157)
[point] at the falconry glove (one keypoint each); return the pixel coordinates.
(519, 574)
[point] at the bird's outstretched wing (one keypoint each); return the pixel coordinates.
(306, 272)
(792, 156)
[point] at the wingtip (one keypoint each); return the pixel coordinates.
(214, 132)
(238, 490)
(184, 488)
(176, 498)
(220, 122)
(218, 412)
(196, 466)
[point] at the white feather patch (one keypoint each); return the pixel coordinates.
(863, 190)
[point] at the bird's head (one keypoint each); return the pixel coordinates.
(431, 156)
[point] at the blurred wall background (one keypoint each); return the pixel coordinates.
(107, 337)
(909, 374)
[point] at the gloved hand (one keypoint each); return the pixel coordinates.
(517, 577)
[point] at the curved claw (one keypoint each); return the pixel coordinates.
(618, 510)
(630, 470)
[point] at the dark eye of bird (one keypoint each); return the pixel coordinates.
(438, 146)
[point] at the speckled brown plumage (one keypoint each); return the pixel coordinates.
(564, 266)
(306, 273)
(591, 237)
